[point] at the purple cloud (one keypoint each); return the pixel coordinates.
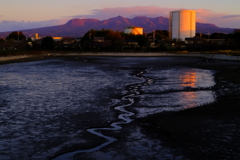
(128, 12)
(231, 16)
(21, 25)
(203, 16)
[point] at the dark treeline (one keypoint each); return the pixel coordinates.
(115, 41)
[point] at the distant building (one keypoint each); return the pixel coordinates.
(36, 36)
(67, 41)
(57, 38)
(216, 41)
(101, 42)
(194, 40)
(133, 30)
(182, 24)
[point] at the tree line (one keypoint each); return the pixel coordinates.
(109, 40)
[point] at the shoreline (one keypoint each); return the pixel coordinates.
(209, 131)
(33, 57)
(202, 128)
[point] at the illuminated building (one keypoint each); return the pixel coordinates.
(36, 36)
(57, 38)
(182, 24)
(133, 30)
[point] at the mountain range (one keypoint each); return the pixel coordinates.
(78, 27)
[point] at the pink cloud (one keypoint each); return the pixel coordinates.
(203, 16)
(128, 12)
(218, 18)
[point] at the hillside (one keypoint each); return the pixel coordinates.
(78, 27)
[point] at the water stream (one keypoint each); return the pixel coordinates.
(124, 118)
(48, 106)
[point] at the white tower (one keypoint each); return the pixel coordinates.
(182, 24)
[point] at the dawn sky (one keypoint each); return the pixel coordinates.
(34, 14)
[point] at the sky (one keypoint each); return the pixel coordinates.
(26, 14)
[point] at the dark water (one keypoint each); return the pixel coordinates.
(48, 106)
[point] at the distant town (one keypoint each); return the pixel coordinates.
(181, 37)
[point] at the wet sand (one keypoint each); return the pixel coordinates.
(211, 131)
(45, 55)
(207, 132)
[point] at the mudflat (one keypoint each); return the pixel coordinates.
(210, 131)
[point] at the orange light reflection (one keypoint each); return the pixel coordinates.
(189, 79)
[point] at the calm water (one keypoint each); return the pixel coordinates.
(47, 106)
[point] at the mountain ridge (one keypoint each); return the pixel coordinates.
(78, 27)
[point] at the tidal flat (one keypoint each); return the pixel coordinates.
(161, 108)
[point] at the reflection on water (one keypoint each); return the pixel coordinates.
(176, 89)
(48, 105)
(188, 79)
(191, 80)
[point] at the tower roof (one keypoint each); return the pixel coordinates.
(184, 10)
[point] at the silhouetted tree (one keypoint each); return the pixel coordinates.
(217, 36)
(236, 35)
(141, 39)
(203, 36)
(236, 31)
(161, 34)
(16, 36)
(48, 43)
(115, 38)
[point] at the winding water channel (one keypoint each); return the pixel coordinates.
(62, 107)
